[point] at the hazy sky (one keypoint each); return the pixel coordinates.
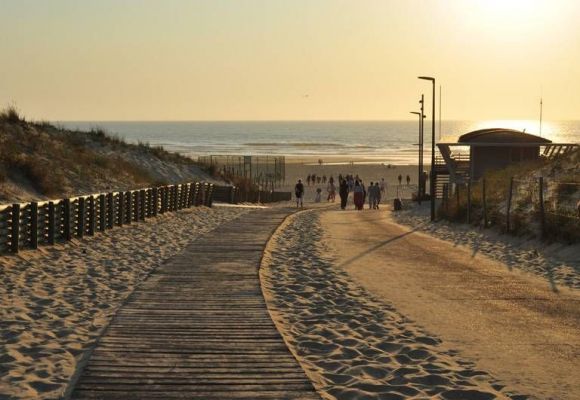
(288, 59)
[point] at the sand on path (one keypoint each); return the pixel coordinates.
(352, 344)
(513, 324)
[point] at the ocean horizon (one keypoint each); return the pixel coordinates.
(392, 142)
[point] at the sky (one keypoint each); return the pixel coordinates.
(289, 60)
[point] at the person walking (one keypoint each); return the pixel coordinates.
(299, 192)
(308, 179)
(408, 180)
(331, 189)
(359, 199)
(371, 194)
(343, 193)
(400, 178)
(383, 186)
(377, 196)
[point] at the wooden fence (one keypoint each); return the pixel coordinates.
(29, 225)
(235, 195)
(550, 204)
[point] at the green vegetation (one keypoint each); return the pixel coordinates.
(561, 190)
(43, 160)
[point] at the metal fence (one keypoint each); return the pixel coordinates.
(267, 172)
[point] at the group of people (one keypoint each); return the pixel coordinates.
(347, 184)
(314, 179)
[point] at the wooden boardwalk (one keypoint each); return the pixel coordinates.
(198, 328)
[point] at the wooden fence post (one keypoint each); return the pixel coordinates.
(509, 205)
(15, 231)
(469, 201)
(111, 209)
(484, 200)
(51, 223)
(92, 216)
(121, 196)
(81, 218)
(542, 210)
(102, 208)
(155, 200)
(457, 197)
(129, 207)
(175, 198)
(34, 225)
(66, 232)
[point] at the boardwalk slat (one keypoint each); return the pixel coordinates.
(199, 328)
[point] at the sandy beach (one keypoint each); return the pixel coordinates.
(404, 315)
(368, 171)
(57, 301)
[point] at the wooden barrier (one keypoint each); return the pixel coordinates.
(34, 224)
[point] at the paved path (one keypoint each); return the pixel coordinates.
(198, 328)
(512, 323)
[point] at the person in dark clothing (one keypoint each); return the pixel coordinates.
(343, 192)
(299, 192)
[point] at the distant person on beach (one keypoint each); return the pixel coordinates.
(408, 180)
(383, 186)
(299, 192)
(324, 179)
(308, 179)
(318, 197)
(400, 178)
(331, 189)
(318, 178)
(377, 195)
(343, 192)
(359, 199)
(371, 194)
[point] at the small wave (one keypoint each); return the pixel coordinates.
(308, 145)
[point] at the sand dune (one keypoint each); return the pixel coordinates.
(352, 345)
(55, 302)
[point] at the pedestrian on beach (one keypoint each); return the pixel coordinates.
(400, 178)
(343, 193)
(308, 179)
(371, 194)
(377, 195)
(383, 186)
(318, 198)
(408, 180)
(359, 199)
(331, 189)
(324, 179)
(299, 192)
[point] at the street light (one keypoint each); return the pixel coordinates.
(432, 182)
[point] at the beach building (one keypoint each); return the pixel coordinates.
(476, 152)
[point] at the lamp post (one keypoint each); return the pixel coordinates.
(420, 115)
(421, 147)
(432, 177)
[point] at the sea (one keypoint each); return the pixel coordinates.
(389, 142)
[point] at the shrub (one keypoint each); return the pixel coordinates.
(11, 115)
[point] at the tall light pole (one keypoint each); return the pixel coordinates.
(422, 147)
(420, 114)
(432, 177)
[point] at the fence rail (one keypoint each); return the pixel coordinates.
(34, 224)
(550, 206)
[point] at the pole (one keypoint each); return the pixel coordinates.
(439, 112)
(509, 204)
(542, 211)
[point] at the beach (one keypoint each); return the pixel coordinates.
(57, 301)
(400, 314)
(368, 170)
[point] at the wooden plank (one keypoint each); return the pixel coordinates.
(199, 326)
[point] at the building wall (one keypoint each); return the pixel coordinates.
(486, 158)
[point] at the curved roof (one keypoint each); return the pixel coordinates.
(500, 135)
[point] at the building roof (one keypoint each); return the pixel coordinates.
(500, 135)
